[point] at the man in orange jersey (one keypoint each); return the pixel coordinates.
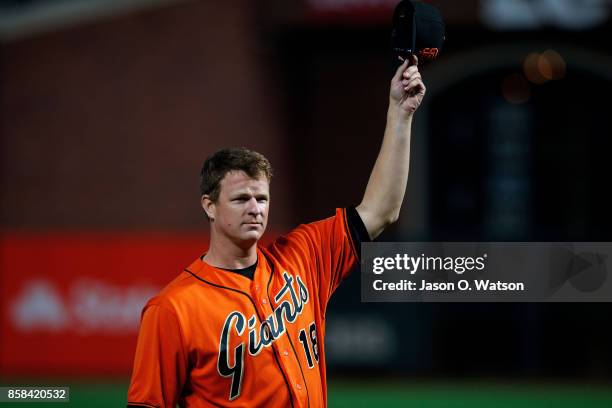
(243, 325)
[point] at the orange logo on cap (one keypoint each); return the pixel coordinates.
(428, 53)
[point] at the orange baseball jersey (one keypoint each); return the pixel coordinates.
(214, 338)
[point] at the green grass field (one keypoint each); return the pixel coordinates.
(351, 394)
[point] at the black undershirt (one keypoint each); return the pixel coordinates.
(248, 272)
(358, 231)
(357, 228)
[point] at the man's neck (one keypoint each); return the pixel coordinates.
(230, 256)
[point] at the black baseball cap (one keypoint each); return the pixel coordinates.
(418, 28)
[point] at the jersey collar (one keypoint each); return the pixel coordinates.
(230, 280)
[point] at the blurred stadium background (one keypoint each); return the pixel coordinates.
(108, 108)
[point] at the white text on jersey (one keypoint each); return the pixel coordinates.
(262, 335)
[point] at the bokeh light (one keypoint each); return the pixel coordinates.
(515, 89)
(532, 70)
(551, 65)
(542, 67)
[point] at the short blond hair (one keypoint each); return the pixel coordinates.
(225, 160)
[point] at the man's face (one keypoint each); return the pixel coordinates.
(241, 211)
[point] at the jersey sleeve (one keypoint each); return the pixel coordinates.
(327, 250)
(160, 364)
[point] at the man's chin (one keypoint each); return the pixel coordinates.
(252, 236)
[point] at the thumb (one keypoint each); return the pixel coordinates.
(400, 70)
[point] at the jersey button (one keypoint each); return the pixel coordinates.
(298, 386)
(285, 353)
(264, 301)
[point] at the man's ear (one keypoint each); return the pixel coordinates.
(209, 207)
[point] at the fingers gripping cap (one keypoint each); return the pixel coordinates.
(418, 29)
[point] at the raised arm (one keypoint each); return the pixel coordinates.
(384, 194)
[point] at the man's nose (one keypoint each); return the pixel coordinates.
(253, 207)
